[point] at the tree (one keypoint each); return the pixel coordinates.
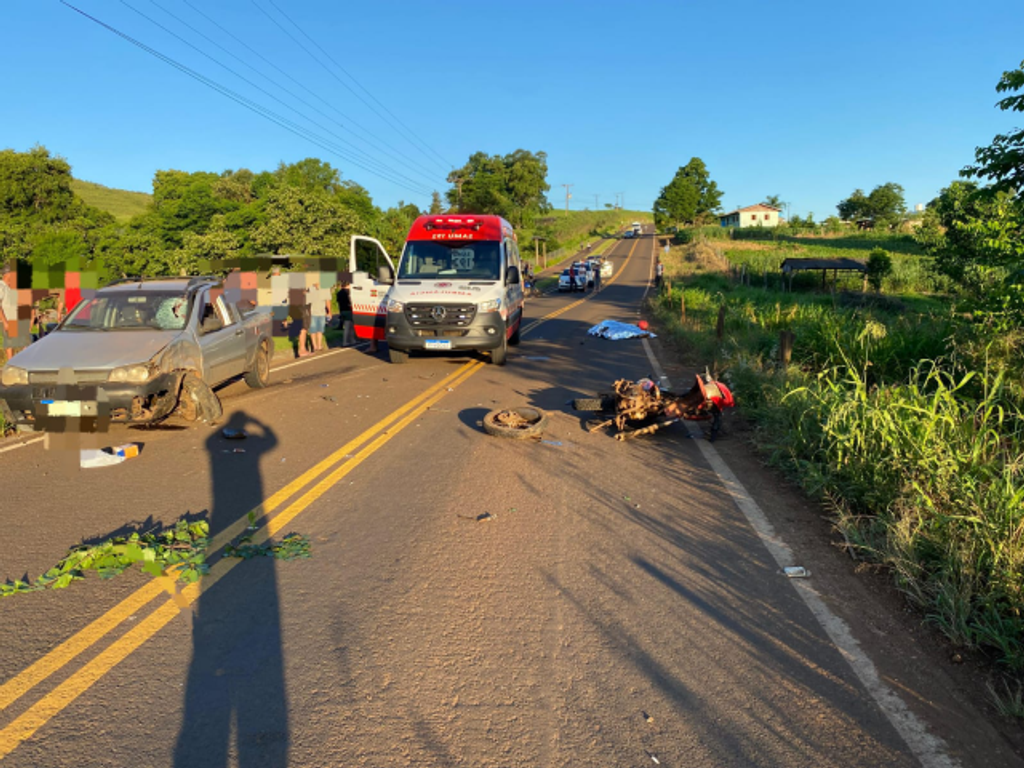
(1002, 161)
(883, 207)
(307, 223)
(39, 213)
(436, 206)
(975, 235)
(879, 267)
(690, 194)
(512, 186)
(775, 201)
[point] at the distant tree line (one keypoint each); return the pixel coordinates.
(303, 208)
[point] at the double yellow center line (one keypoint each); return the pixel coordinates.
(338, 465)
(370, 441)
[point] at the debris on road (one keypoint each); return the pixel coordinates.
(647, 717)
(515, 423)
(796, 572)
(329, 398)
(654, 759)
(614, 330)
(234, 434)
(90, 458)
(556, 443)
(651, 408)
(127, 451)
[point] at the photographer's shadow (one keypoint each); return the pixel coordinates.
(235, 695)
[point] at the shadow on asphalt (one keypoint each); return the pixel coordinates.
(236, 707)
(473, 418)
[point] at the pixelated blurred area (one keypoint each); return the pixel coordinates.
(286, 285)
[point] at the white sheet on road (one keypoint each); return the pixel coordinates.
(613, 330)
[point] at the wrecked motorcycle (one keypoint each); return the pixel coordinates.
(641, 407)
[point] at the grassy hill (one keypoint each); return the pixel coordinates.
(119, 202)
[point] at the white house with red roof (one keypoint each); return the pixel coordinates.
(759, 215)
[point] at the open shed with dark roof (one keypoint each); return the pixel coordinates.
(791, 266)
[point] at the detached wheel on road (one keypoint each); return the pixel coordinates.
(258, 376)
(398, 355)
(516, 423)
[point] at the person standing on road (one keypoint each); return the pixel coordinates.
(597, 278)
(319, 304)
(344, 296)
(9, 325)
(572, 278)
(659, 273)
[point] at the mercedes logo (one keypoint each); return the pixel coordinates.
(438, 313)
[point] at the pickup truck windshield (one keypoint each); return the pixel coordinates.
(130, 310)
(432, 260)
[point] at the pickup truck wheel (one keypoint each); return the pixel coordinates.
(398, 355)
(198, 401)
(258, 376)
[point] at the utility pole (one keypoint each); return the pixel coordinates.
(596, 202)
(567, 196)
(457, 181)
(623, 205)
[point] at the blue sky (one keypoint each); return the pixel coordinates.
(807, 100)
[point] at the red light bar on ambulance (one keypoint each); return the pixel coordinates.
(453, 224)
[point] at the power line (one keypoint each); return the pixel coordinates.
(330, 72)
(242, 100)
(365, 158)
(368, 139)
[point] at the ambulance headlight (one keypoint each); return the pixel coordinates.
(489, 306)
(395, 306)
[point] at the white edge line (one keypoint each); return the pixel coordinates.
(313, 357)
(16, 446)
(930, 750)
(278, 368)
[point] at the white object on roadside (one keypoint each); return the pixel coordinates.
(796, 572)
(614, 330)
(91, 458)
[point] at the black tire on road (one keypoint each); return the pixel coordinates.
(601, 403)
(398, 356)
(499, 356)
(537, 417)
(258, 376)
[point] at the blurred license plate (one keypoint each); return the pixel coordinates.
(438, 344)
(69, 408)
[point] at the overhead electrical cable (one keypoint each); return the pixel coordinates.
(383, 147)
(365, 158)
(252, 106)
(413, 140)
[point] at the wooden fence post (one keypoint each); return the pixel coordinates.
(786, 339)
(682, 308)
(720, 328)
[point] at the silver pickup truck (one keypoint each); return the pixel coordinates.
(138, 351)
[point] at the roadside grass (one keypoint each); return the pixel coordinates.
(567, 232)
(120, 203)
(904, 419)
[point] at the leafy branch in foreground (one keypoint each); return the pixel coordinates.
(183, 546)
(294, 546)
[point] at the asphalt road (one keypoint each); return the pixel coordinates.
(614, 606)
